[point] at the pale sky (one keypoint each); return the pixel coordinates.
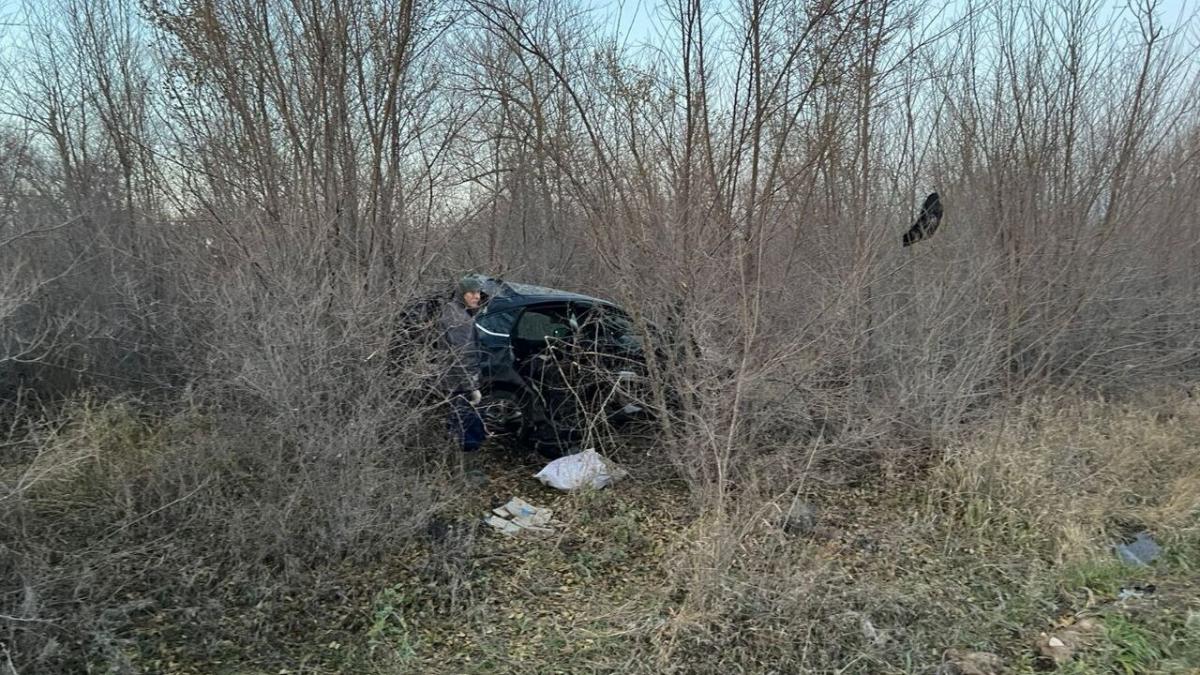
(631, 20)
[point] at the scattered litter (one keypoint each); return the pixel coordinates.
(1141, 551)
(505, 526)
(519, 516)
(1128, 592)
(525, 514)
(584, 469)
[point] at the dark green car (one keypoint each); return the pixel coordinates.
(558, 369)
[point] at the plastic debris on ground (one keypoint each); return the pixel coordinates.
(1141, 551)
(519, 516)
(583, 469)
(1130, 592)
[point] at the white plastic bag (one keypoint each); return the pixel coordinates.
(580, 470)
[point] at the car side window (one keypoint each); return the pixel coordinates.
(498, 324)
(544, 323)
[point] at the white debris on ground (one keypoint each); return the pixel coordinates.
(519, 516)
(584, 469)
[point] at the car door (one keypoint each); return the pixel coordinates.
(540, 329)
(495, 339)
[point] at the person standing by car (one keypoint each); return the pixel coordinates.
(457, 323)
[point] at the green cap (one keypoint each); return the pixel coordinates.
(469, 284)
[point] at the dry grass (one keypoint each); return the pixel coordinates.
(1078, 474)
(200, 521)
(1005, 539)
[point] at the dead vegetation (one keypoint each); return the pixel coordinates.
(891, 576)
(872, 458)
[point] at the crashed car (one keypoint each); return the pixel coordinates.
(556, 367)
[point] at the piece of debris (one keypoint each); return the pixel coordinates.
(800, 519)
(1062, 644)
(1053, 647)
(519, 516)
(524, 514)
(970, 663)
(927, 221)
(1141, 551)
(1129, 592)
(505, 526)
(584, 469)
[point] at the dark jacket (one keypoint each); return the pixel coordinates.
(457, 326)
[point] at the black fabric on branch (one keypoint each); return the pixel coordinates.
(927, 221)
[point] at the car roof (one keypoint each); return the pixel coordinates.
(504, 295)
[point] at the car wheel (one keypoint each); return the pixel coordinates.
(506, 416)
(522, 422)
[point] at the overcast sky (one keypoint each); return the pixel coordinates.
(631, 19)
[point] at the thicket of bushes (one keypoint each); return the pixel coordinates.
(211, 214)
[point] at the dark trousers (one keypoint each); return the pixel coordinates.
(466, 426)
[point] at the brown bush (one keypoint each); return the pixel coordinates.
(211, 215)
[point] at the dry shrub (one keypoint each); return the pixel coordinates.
(292, 451)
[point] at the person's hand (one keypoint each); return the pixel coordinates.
(474, 397)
